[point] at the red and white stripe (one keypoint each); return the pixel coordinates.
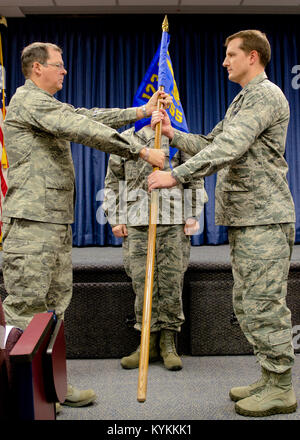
(3, 172)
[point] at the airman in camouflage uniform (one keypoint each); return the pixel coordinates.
(253, 199)
(38, 207)
(127, 208)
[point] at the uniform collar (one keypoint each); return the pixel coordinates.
(30, 84)
(256, 80)
(146, 134)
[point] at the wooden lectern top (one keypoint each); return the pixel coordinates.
(32, 338)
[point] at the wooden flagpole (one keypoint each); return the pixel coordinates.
(147, 307)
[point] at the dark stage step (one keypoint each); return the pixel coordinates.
(99, 321)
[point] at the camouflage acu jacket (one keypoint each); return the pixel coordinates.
(126, 197)
(37, 132)
(247, 149)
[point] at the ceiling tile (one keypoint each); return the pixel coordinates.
(210, 2)
(21, 3)
(271, 3)
(86, 2)
(19, 8)
(11, 11)
(148, 2)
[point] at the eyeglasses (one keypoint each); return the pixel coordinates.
(59, 66)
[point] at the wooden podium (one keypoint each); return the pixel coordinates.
(4, 391)
(39, 374)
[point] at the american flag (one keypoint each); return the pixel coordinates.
(3, 169)
(3, 156)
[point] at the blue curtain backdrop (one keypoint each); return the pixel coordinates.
(107, 56)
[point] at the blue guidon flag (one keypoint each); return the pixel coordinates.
(160, 73)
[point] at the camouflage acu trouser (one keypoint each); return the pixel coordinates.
(37, 269)
(260, 257)
(172, 254)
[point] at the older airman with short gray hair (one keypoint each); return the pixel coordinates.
(39, 205)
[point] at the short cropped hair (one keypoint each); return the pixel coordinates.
(253, 40)
(35, 52)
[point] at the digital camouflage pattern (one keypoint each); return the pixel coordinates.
(172, 246)
(39, 204)
(172, 253)
(37, 269)
(247, 149)
(37, 131)
(260, 257)
(126, 196)
(253, 199)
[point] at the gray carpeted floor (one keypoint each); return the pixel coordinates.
(198, 392)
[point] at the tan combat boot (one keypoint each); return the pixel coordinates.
(238, 393)
(132, 361)
(277, 397)
(168, 350)
(77, 398)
